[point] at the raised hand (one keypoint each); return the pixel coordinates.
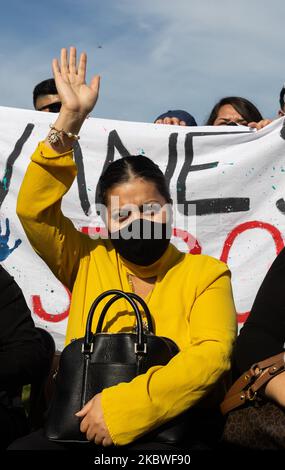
(76, 96)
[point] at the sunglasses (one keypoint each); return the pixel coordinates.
(53, 107)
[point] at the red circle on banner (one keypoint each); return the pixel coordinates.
(50, 317)
(274, 232)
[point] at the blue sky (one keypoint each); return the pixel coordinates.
(156, 54)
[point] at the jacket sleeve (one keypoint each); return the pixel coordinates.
(51, 234)
(151, 399)
(23, 356)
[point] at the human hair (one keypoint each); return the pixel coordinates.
(124, 169)
(46, 87)
(244, 107)
(281, 98)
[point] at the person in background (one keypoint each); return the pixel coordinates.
(262, 337)
(233, 111)
(177, 117)
(46, 98)
(263, 333)
(281, 111)
(23, 358)
(189, 296)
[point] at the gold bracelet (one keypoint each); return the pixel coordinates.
(54, 135)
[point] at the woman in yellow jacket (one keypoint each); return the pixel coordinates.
(190, 297)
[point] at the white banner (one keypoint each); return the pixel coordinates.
(233, 177)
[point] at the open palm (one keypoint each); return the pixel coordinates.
(76, 96)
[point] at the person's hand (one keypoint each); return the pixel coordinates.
(174, 121)
(93, 423)
(76, 96)
(259, 125)
(77, 99)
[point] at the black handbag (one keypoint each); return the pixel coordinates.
(97, 361)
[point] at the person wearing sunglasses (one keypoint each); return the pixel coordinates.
(46, 98)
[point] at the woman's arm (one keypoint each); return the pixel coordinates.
(275, 389)
(77, 98)
(52, 171)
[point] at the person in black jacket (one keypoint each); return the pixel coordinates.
(263, 334)
(23, 358)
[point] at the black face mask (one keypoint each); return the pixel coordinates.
(142, 242)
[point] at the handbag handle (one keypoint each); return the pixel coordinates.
(140, 346)
(133, 296)
(246, 387)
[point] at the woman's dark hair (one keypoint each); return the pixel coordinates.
(244, 107)
(126, 168)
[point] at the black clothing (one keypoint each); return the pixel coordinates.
(263, 333)
(13, 423)
(204, 434)
(38, 441)
(23, 357)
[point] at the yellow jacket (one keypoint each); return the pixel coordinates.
(191, 303)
